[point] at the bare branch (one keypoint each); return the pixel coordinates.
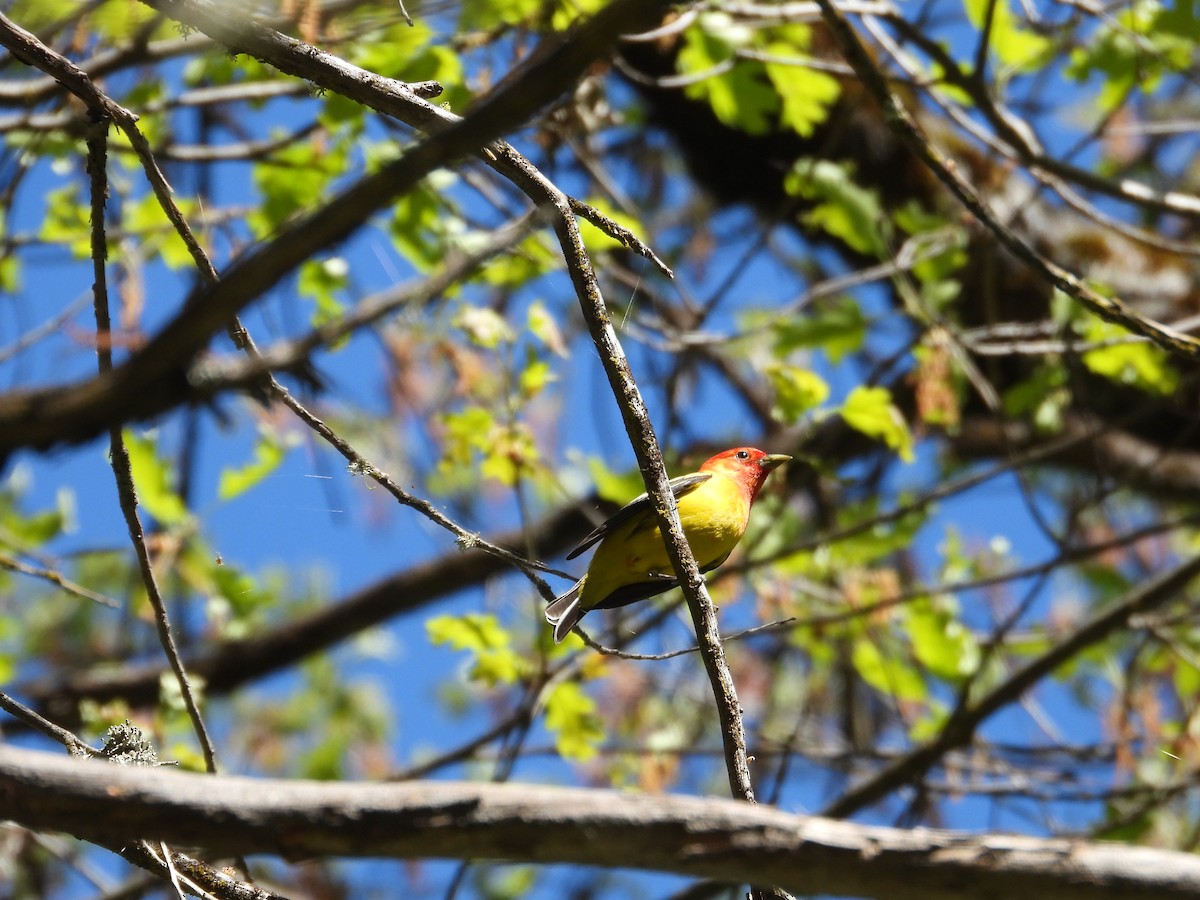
(691, 836)
(122, 468)
(961, 727)
(1111, 309)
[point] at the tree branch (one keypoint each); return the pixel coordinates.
(686, 835)
(155, 379)
(961, 727)
(1111, 309)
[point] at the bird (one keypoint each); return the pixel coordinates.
(631, 562)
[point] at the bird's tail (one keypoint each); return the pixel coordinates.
(565, 612)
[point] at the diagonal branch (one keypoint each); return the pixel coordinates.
(155, 379)
(1111, 309)
(961, 727)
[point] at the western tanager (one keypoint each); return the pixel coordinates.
(631, 562)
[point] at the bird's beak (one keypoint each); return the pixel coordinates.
(772, 460)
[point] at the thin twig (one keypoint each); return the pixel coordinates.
(1111, 309)
(30, 717)
(55, 578)
(97, 160)
(960, 729)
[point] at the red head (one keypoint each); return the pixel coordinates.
(748, 466)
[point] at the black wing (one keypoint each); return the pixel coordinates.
(684, 484)
(631, 593)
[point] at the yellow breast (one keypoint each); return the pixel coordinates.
(714, 517)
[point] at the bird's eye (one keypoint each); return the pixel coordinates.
(743, 454)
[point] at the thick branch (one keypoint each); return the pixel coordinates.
(1119, 455)
(687, 835)
(156, 378)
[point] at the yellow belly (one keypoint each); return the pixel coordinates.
(714, 517)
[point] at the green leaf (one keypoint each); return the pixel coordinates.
(120, 22)
(417, 227)
(569, 12)
(884, 539)
(571, 717)
(1017, 47)
(543, 326)
(871, 411)
(36, 14)
(1043, 396)
(509, 454)
(1138, 362)
(534, 377)
(1134, 50)
(806, 94)
(1182, 19)
(411, 53)
(597, 241)
(615, 487)
(527, 261)
(843, 209)
(38, 528)
(154, 480)
(268, 454)
(293, 180)
(67, 220)
(473, 631)
(942, 644)
(936, 273)
(740, 97)
(887, 674)
(500, 666)
(484, 15)
(797, 391)
(323, 280)
(837, 328)
(495, 662)
(10, 274)
(145, 218)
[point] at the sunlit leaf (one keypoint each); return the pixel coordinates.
(1130, 360)
(145, 217)
(942, 644)
(597, 241)
(473, 631)
(797, 391)
(494, 660)
(888, 674)
(268, 454)
(544, 327)
(871, 411)
(738, 95)
(837, 328)
(484, 326)
(154, 480)
(842, 208)
(806, 94)
(571, 717)
(1017, 47)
